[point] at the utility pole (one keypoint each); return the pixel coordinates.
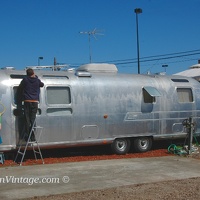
(138, 11)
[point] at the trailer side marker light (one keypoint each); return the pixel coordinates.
(105, 116)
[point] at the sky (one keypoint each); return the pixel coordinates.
(169, 33)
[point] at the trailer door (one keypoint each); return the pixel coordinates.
(58, 113)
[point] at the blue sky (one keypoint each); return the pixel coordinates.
(50, 28)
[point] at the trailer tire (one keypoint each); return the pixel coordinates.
(121, 146)
(142, 144)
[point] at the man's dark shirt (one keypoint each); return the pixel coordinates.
(31, 88)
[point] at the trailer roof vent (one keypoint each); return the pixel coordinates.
(98, 68)
(195, 66)
(83, 74)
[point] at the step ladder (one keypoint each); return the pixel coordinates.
(35, 133)
(2, 158)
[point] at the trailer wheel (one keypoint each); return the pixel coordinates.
(142, 144)
(121, 146)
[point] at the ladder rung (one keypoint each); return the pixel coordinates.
(37, 152)
(32, 142)
(38, 127)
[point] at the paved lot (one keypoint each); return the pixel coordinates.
(26, 181)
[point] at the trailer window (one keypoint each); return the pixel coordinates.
(59, 111)
(184, 95)
(14, 94)
(179, 80)
(55, 77)
(149, 94)
(17, 76)
(147, 97)
(17, 96)
(58, 95)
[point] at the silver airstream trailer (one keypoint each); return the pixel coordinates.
(96, 105)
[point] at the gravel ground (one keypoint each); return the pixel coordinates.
(185, 189)
(178, 189)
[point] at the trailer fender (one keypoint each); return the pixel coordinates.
(142, 144)
(121, 146)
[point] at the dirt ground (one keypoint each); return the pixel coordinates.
(186, 189)
(180, 189)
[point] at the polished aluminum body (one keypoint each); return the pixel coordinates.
(102, 105)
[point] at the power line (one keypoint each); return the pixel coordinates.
(154, 58)
(161, 58)
(157, 57)
(169, 62)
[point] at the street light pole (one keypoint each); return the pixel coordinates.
(165, 66)
(138, 11)
(39, 58)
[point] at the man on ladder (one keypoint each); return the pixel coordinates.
(30, 88)
(28, 91)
